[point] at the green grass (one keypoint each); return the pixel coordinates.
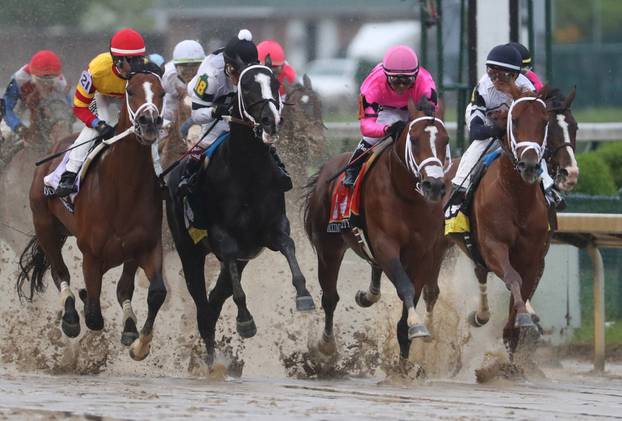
(585, 334)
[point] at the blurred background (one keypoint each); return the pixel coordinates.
(574, 43)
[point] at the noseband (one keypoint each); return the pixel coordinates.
(146, 106)
(526, 145)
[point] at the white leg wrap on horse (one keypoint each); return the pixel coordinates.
(372, 295)
(547, 180)
(65, 292)
(128, 313)
(413, 318)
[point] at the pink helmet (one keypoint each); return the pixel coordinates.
(400, 60)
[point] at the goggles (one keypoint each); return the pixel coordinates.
(502, 75)
(401, 79)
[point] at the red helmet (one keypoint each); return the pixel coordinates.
(127, 43)
(272, 48)
(45, 63)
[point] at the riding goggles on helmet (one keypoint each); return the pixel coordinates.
(401, 79)
(496, 73)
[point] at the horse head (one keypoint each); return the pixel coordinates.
(426, 149)
(527, 125)
(258, 101)
(143, 100)
(302, 108)
(562, 137)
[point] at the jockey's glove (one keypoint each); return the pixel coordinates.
(395, 129)
(498, 132)
(105, 130)
(20, 130)
(220, 110)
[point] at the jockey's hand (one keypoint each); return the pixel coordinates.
(395, 129)
(105, 130)
(498, 131)
(185, 127)
(220, 110)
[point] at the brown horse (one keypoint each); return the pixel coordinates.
(172, 146)
(509, 220)
(117, 220)
(402, 209)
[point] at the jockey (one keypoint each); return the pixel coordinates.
(213, 90)
(280, 67)
(187, 57)
(104, 81)
(526, 67)
(490, 97)
(42, 76)
(383, 103)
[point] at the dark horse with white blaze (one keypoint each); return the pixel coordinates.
(117, 219)
(401, 206)
(243, 207)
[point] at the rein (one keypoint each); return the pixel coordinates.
(265, 101)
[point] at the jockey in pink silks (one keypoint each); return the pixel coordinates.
(383, 103)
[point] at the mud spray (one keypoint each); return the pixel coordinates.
(31, 339)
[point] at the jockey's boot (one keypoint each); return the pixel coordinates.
(554, 199)
(66, 185)
(189, 178)
(456, 222)
(284, 181)
(355, 163)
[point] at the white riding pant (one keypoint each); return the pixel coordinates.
(108, 109)
(220, 127)
(387, 117)
(471, 157)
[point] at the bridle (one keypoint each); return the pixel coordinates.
(264, 102)
(525, 145)
(559, 113)
(146, 106)
(434, 167)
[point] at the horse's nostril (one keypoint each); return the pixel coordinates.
(142, 119)
(563, 172)
(426, 185)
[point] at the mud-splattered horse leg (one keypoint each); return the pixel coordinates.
(330, 256)
(245, 325)
(481, 316)
(151, 263)
(92, 272)
(372, 295)
(285, 244)
(125, 291)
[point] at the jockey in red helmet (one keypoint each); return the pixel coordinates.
(279, 65)
(42, 76)
(383, 104)
(103, 81)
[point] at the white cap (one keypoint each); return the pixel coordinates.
(188, 51)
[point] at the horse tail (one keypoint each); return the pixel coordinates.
(308, 190)
(32, 266)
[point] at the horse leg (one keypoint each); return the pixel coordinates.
(499, 263)
(245, 325)
(430, 295)
(480, 317)
(125, 291)
(151, 263)
(51, 242)
(93, 282)
(406, 291)
(372, 295)
(329, 262)
(304, 301)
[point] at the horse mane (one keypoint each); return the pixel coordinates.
(553, 96)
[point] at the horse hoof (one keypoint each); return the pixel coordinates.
(70, 323)
(130, 333)
(418, 331)
(94, 322)
(327, 345)
(138, 351)
(305, 303)
(523, 320)
(475, 321)
(246, 329)
(361, 299)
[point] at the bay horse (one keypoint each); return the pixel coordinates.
(243, 207)
(402, 209)
(117, 219)
(509, 218)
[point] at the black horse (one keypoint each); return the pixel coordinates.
(243, 209)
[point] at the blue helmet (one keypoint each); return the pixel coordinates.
(505, 57)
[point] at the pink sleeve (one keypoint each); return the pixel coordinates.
(367, 120)
(535, 79)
